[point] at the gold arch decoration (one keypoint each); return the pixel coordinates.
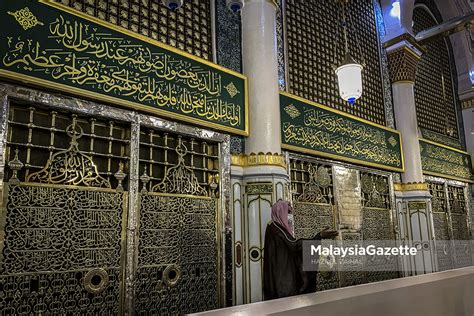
(70, 166)
(180, 179)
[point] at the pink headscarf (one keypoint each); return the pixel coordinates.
(280, 215)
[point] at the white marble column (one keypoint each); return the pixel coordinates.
(415, 225)
(259, 177)
(407, 124)
(260, 65)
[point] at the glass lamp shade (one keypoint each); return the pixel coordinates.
(349, 77)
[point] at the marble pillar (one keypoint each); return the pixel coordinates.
(259, 177)
(413, 200)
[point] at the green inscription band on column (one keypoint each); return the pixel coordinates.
(316, 129)
(50, 45)
(443, 161)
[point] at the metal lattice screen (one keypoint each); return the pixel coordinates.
(160, 151)
(189, 28)
(64, 214)
(38, 133)
(312, 189)
(451, 225)
(434, 111)
(314, 39)
(178, 248)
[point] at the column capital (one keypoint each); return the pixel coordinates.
(410, 186)
(260, 159)
(403, 56)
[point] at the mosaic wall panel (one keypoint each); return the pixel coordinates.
(228, 37)
(435, 111)
(188, 28)
(315, 45)
(387, 85)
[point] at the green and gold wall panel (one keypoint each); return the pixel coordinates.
(53, 46)
(443, 161)
(316, 129)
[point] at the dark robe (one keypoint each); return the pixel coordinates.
(283, 273)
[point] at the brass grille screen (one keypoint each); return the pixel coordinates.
(188, 28)
(313, 202)
(158, 154)
(377, 224)
(39, 133)
(432, 112)
(450, 217)
(313, 29)
(177, 251)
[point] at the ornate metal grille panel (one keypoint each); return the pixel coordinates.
(434, 70)
(163, 154)
(39, 134)
(177, 253)
(441, 225)
(63, 224)
(313, 203)
(377, 224)
(188, 29)
(314, 39)
(62, 251)
(460, 228)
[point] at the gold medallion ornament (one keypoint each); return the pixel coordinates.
(292, 111)
(25, 18)
(232, 89)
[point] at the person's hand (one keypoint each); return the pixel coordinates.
(328, 234)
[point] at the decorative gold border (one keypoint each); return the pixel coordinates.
(260, 159)
(337, 157)
(113, 100)
(410, 186)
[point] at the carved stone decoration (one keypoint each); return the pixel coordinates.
(180, 179)
(403, 62)
(70, 166)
